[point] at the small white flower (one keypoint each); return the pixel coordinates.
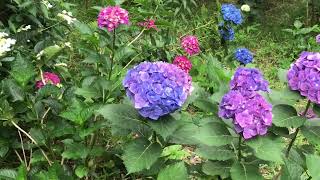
(5, 43)
(40, 54)
(47, 4)
(3, 34)
(245, 8)
(67, 16)
(68, 44)
(26, 28)
(28, 40)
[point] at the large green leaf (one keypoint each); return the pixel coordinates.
(165, 126)
(78, 113)
(286, 116)
(213, 134)
(312, 133)
(214, 168)
(81, 171)
(6, 111)
(313, 165)
(291, 170)
(13, 90)
(245, 172)
(206, 105)
(75, 151)
(176, 171)
(22, 70)
(140, 154)
(284, 96)
(267, 148)
(123, 118)
(221, 153)
(8, 174)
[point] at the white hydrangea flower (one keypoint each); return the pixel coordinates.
(5, 43)
(67, 16)
(47, 4)
(26, 28)
(245, 8)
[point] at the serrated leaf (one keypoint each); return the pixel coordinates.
(291, 170)
(214, 134)
(206, 105)
(313, 165)
(75, 151)
(176, 171)
(81, 171)
(123, 118)
(51, 51)
(38, 136)
(312, 133)
(140, 154)
(286, 116)
(284, 96)
(217, 168)
(267, 148)
(8, 174)
(297, 24)
(175, 152)
(123, 53)
(78, 112)
(182, 134)
(245, 172)
(83, 28)
(164, 126)
(221, 153)
(13, 90)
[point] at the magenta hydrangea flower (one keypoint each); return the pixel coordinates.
(318, 38)
(304, 76)
(48, 78)
(183, 63)
(248, 79)
(148, 24)
(112, 16)
(157, 88)
(250, 112)
(190, 44)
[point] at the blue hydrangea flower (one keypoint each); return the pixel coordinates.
(243, 55)
(157, 88)
(231, 13)
(227, 33)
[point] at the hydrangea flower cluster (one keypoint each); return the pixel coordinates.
(248, 79)
(304, 76)
(226, 32)
(190, 44)
(148, 24)
(243, 55)
(48, 78)
(183, 63)
(251, 113)
(112, 16)
(5, 43)
(245, 8)
(157, 88)
(318, 38)
(231, 13)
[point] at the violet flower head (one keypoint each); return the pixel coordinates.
(157, 88)
(248, 79)
(318, 38)
(48, 78)
(304, 76)
(148, 24)
(112, 16)
(190, 44)
(183, 63)
(243, 55)
(250, 112)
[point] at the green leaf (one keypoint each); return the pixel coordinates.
(175, 152)
(123, 53)
(213, 134)
(217, 168)
(221, 153)
(6, 111)
(316, 109)
(83, 28)
(206, 105)
(183, 134)
(51, 52)
(313, 165)
(176, 171)
(12, 89)
(8, 174)
(88, 93)
(22, 173)
(38, 136)
(245, 172)
(123, 118)
(282, 75)
(291, 170)
(286, 116)
(78, 112)
(140, 154)
(284, 96)
(297, 24)
(267, 148)
(22, 70)
(164, 126)
(81, 171)
(75, 151)
(312, 133)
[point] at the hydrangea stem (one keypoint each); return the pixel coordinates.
(113, 53)
(297, 131)
(239, 148)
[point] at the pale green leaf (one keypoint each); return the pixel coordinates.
(221, 153)
(313, 165)
(286, 116)
(245, 172)
(176, 171)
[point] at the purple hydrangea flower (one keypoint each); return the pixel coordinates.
(226, 32)
(243, 55)
(251, 113)
(304, 76)
(231, 13)
(248, 79)
(318, 38)
(157, 88)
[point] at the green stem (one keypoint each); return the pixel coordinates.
(113, 53)
(297, 131)
(239, 148)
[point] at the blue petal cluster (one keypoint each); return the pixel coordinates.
(231, 13)
(243, 55)
(227, 33)
(157, 89)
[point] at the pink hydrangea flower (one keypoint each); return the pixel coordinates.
(190, 44)
(112, 16)
(48, 78)
(183, 63)
(148, 24)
